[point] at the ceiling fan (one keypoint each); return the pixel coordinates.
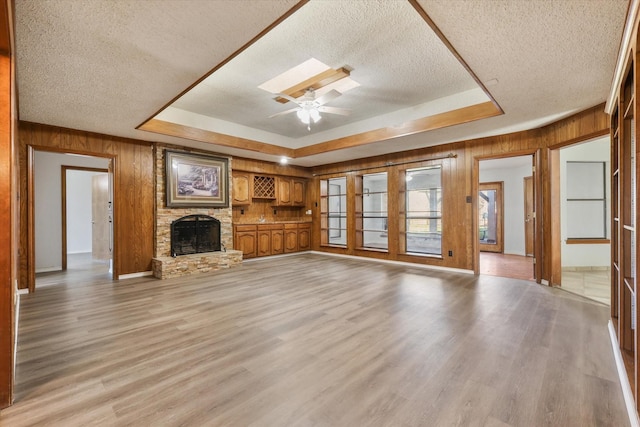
(309, 107)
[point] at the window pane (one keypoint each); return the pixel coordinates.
(585, 180)
(375, 239)
(424, 211)
(374, 211)
(587, 219)
(336, 232)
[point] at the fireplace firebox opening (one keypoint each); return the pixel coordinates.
(194, 234)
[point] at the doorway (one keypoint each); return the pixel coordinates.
(581, 199)
(73, 238)
(490, 216)
(506, 240)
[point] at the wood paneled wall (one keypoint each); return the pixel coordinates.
(8, 203)
(134, 184)
(459, 179)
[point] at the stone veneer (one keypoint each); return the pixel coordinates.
(164, 266)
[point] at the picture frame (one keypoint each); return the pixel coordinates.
(196, 180)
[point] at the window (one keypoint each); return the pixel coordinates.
(423, 211)
(586, 200)
(371, 226)
(333, 211)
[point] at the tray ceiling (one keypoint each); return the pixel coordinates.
(109, 67)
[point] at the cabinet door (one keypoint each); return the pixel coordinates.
(304, 237)
(246, 242)
(284, 192)
(264, 243)
(241, 190)
(298, 186)
(290, 240)
(277, 242)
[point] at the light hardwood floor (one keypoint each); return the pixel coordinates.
(314, 340)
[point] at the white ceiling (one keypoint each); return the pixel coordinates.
(108, 66)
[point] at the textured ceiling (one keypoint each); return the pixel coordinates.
(400, 67)
(107, 66)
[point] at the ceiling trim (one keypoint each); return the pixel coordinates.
(233, 55)
(453, 50)
(437, 121)
(316, 82)
(188, 132)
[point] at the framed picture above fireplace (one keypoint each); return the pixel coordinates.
(196, 180)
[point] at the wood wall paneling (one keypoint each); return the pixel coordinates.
(134, 209)
(7, 265)
(459, 179)
(8, 203)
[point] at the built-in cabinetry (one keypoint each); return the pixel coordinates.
(290, 191)
(624, 243)
(281, 190)
(257, 240)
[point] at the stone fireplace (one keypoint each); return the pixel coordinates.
(165, 265)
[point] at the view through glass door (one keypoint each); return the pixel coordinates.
(490, 217)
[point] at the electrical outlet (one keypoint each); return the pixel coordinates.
(309, 212)
(450, 253)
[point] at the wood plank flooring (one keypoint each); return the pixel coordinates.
(314, 340)
(506, 265)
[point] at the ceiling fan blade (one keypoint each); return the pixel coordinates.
(334, 110)
(282, 113)
(332, 94)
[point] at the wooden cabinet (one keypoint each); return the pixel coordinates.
(241, 188)
(277, 242)
(258, 240)
(290, 238)
(245, 240)
(264, 242)
(298, 189)
(304, 237)
(290, 191)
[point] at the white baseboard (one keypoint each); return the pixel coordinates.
(624, 380)
(134, 275)
(403, 263)
(48, 269)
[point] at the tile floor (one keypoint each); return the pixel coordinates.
(590, 282)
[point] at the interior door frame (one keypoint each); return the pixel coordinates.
(31, 235)
(499, 187)
(63, 180)
(537, 187)
(555, 278)
(524, 184)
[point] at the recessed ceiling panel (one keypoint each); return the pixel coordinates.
(391, 52)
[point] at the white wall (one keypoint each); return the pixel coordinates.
(48, 204)
(512, 172)
(585, 255)
(79, 215)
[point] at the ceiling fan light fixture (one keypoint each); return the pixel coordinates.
(315, 115)
(304, 116)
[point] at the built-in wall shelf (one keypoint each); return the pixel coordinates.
(624, 256)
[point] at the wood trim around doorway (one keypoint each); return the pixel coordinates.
(63, 181)
(30, 207)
